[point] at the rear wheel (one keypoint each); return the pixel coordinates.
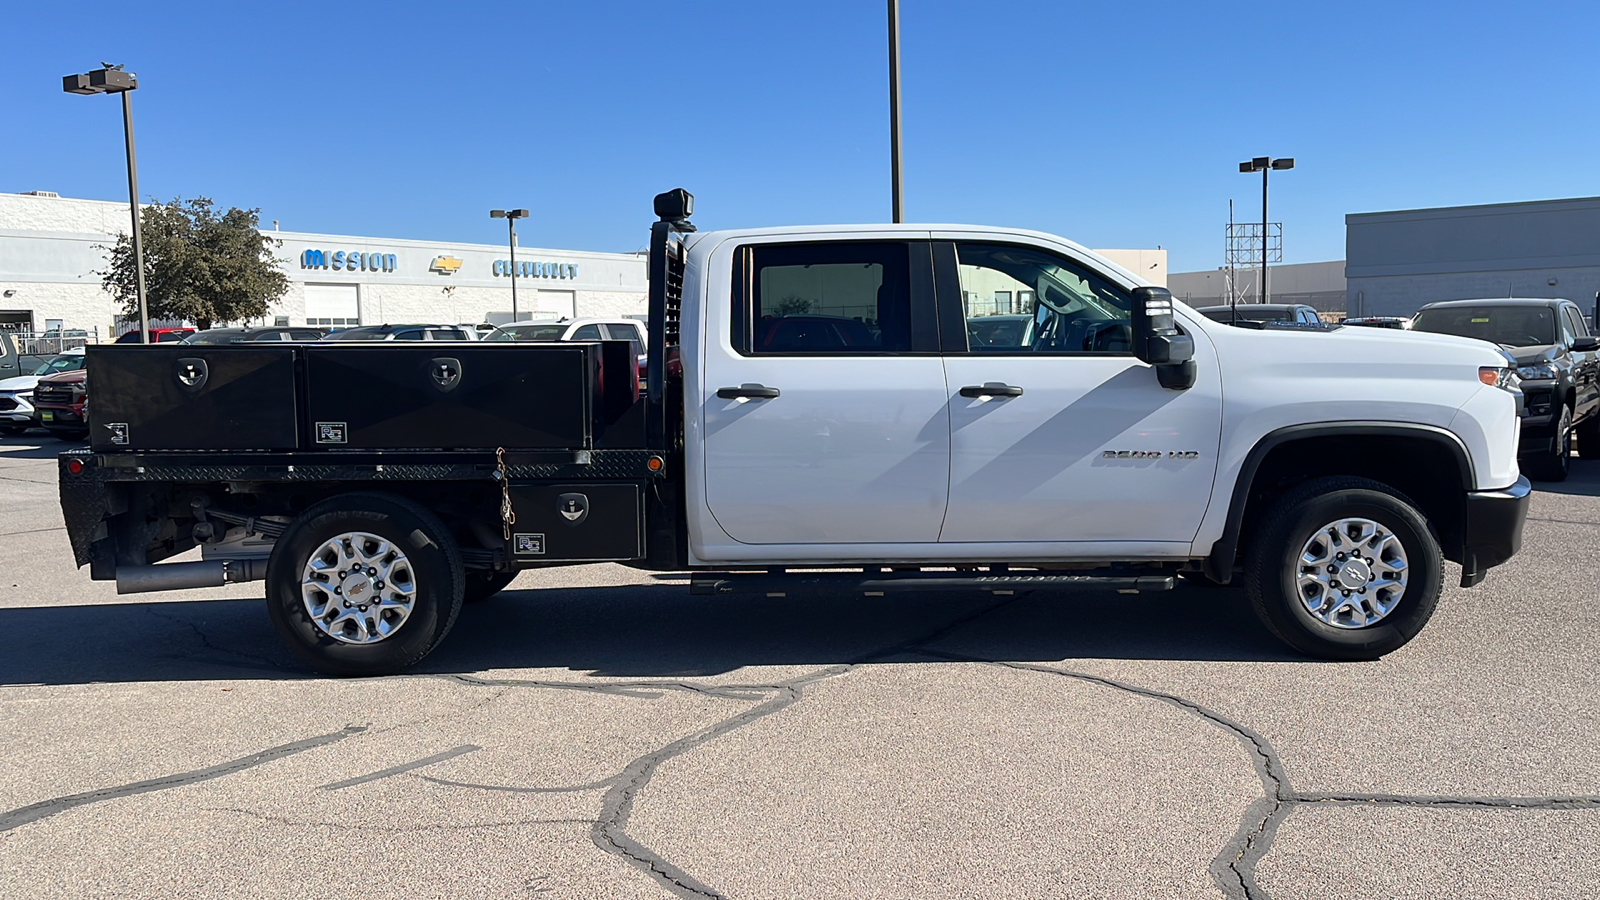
(364, 584)
(1345, 569)
(1554, 463)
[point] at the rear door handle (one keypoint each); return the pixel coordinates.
(991, 389)
(752, 391)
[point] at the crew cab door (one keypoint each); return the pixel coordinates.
(1585, 364)
(1057, 433)
(822, 399)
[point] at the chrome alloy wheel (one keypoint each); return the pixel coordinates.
(1352, 573)
(358, 588)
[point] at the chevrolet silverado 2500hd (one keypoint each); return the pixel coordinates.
(814, 402)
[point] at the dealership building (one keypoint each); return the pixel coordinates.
(52, 247)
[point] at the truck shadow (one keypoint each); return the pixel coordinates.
(34, 446)
(645, 631)
(1584, 481)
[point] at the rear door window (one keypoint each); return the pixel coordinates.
(838, 298)
(587, 333)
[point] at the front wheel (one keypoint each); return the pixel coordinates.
(364, 584)
(1589, 437)
(1554, 463)
(1344, 569)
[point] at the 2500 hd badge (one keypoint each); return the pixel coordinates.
(1150, 454)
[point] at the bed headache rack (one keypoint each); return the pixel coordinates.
(672, 209)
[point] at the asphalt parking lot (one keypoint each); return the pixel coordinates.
(598, 732)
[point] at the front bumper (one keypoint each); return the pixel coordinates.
(16, 409)
(1538, 419)
(1493, 529)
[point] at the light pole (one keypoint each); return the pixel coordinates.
(511, 216)
(898, 210)
(111, 79)
(1263, 164)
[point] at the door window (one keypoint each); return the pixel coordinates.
(627, 333)
(1024, 300)
(1575, 322)
(846, 298)
(586, 333)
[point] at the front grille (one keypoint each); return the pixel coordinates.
(6, 403)
(52, 395)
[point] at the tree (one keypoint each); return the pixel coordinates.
(198, 266)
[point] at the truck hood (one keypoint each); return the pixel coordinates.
(19, 383)
(1527, 356)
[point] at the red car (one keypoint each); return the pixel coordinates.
(59, 402)
(157, 335)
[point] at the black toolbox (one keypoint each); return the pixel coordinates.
(452, 396)
(191, 397)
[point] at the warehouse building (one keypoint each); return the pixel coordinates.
(1319, 285)
(1398, 261)
(51, 249)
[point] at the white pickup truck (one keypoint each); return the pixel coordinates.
(857, 408)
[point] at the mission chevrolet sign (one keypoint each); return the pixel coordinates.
(535, 269)
(349, 261)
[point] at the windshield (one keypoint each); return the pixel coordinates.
(528, 333)
(211, 337)
(1509, 326)
(357, 334)
(1249, 312)
(60, 364)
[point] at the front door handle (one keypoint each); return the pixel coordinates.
(991, 389)
(752, 391)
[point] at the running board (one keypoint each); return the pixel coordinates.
(779, 583)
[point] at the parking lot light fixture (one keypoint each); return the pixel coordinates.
(511, 216)
(111, 79)
(1265, 164)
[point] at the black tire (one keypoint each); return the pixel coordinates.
(438, 574)
(1273, 567)
(484, 583)
(12, 430)
(62, 434)
(1589, 438)
(1555, 463)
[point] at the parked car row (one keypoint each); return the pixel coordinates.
(1557, 362)
(18, 404)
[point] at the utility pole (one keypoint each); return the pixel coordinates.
(894, 111)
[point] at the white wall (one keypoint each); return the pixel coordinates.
(50, 249)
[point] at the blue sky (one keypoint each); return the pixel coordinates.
(1116, 124)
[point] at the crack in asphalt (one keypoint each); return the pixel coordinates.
(33, 812)
(512, 789)
(643, 690)
(32, 531)
(390, 829)
(610, 829)
(1446, 801)
(1234, 867)
(205, 640)
(401, 769)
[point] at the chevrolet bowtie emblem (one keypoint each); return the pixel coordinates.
(445, 265)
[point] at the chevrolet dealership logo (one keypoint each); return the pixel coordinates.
(445, 265)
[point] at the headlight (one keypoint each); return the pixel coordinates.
(1536, 372)
(1503, 377)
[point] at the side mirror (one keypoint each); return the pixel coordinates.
(1586, 344)
(1157, 340)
